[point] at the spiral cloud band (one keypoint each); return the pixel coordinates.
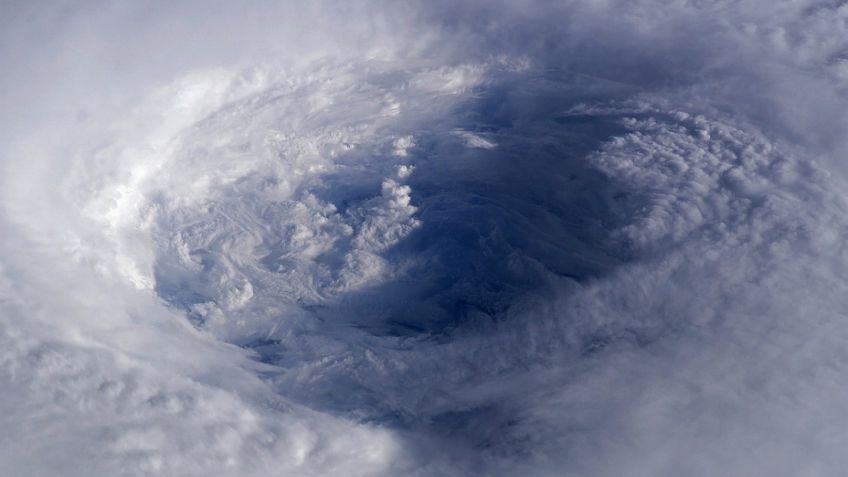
(545, 238)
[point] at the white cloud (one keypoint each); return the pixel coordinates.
(474, 141)
(537, 238)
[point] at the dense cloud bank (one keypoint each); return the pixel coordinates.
(582, 238)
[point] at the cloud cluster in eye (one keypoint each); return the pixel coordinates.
(548, 238)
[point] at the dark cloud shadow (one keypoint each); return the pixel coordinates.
(517, 214)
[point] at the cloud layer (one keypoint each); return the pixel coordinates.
(538, 238)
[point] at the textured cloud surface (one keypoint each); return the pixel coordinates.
(582, 238)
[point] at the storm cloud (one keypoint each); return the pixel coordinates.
(582, 238)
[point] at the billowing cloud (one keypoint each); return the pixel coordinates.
(363, 238)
